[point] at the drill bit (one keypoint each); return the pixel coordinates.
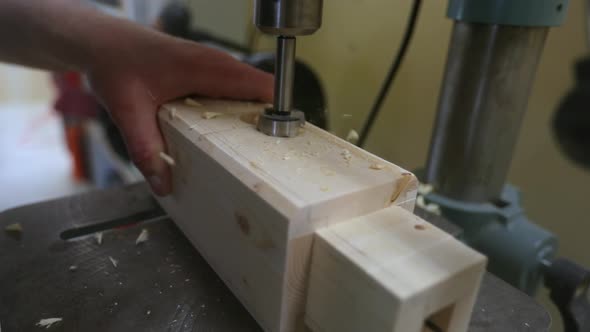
(284, 75)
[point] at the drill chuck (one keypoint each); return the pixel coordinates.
(288, 17)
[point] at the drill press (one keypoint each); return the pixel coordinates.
(493, 56)
(285, 19)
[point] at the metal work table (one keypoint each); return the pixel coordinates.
(162, 284)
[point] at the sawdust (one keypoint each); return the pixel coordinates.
(114, 261)
(192, 102)
(211, 115)
(352, 136)
(377, 166)
(172, 113)
(98, 237)
(48, 322)
(143, 237)
(430, 207)
(425, 189)
(346, 155)
(168, 159)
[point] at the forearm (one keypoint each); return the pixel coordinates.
(60, 34)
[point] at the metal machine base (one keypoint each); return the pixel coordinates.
(162, 284)
(516, 248)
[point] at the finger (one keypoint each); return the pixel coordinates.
(233, 79)
(215, 74)
(137, 121)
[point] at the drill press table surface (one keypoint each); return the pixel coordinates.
(162, 284)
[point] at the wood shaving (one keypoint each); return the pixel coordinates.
(47, 322)
(352, 136)
(114, 261)
(377, 167)
(98, 237)
(211, 115)
(346, 155)
(73, 268)
(429, 207)
(16, 227)
(425, 189)
(143, 236)
(169, 160)
(192, 102)
(172, 113)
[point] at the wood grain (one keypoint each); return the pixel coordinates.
(251, 203)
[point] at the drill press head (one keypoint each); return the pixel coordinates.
(285, 19)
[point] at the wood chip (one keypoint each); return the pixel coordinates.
(172, 113)
(98, 237)
(192, 102)
(211, 115)
(377, 167)
(352, 136)
(346, 155)
(425, 189)
(16, 228)
(429, 207)
(47, 322)
(169, 160)
(114, 261)
(143, 236)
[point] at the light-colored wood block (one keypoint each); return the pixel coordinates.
(391, 271)
(251, 203)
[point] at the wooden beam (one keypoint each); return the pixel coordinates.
(391, 271)
(252, 203)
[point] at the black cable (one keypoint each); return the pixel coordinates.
(392, 72)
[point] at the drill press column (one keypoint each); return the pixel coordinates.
(495, 48)
(285, 19)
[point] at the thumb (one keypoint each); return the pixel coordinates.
(137, 121)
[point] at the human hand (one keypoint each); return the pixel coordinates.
(149, 69)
